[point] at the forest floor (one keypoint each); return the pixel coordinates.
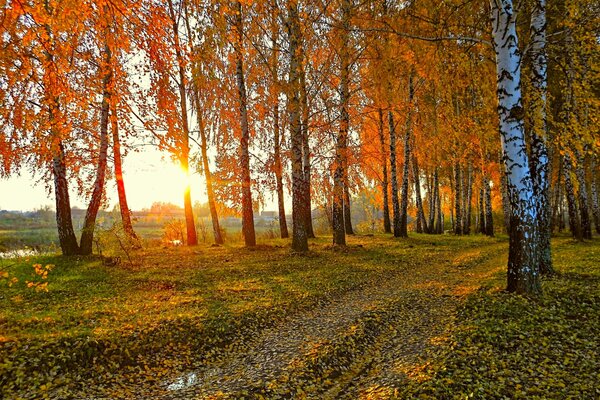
(423, 317)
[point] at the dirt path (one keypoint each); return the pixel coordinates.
(365, 342)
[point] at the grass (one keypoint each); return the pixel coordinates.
(176, 307)
(510, 346)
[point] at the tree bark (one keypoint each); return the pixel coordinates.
(387, 226)
(184, 150)
(539, 131)
(306, 147)
(118, 163)
(594, 193)
(394, 175)
(421, 221)
(482, 213)
(64, 222)
(247, 210)
(299, 203)
(467, 204)
(584, 210)
(347, 207)
(457, 200)
(574, 224)
(89, 225)
(341, 156)
(489, 216)
(406, 167)
(439, 225)
(523, 269)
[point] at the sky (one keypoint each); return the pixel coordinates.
(148, 178)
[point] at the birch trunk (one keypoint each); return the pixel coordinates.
(347, 207)
(584, 210)
(394, 175)
(299, 203)
(118, 163)
(247, 210)
(523, 261)
(468, 203)
(339, 231)
(406, 167)
(439, 224)
(489, 216)
(421, 221)
(184, 143)
(305, 147)
(387, 226)
(457, 200)
(64, 222)
(594, 193)
(574, 224)
(539, 131)
(210, 193)
(482, 208)
(89, 225)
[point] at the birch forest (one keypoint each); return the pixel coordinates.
(394, 145)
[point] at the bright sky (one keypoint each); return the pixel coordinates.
(148, 178)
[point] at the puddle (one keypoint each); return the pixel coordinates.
(183, 382)
(18, 253)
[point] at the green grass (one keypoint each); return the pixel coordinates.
(510, 346)
(175, 307)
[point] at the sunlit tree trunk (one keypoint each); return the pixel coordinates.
(539, 131)
(299, 203)
(275, 90)
(210, 193)
(184, 143)
(489, 216)
(439, 224)
(339, 230)
(406, 167)
(394, 175)
(468, 195)
(457, 200)
(306, 147)
(64, 223)
(523, 268)
(118, 164)
(387, 226)
(421, 221)
(247, 211)
(89, 225)
(347, 207)
(482, 207)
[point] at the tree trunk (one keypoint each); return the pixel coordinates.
(594, 193)
(299, 189)
(421, 221)
(347, 209)
(341, 156)
(406, 167)
(574, 225)
(439, 224)
(539, 150)
(283, 229)
(387, 226)
(123, 206)
(457, 199)
(184, 150)
(489, 216)
(89, 225)
(394, 175)
(306, 147)
(247, 211)
(64, 223)
(468, 193)
(584, 210)
(210, 193)
(523, 268)
(482, 205)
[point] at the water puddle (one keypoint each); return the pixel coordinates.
(18, 253)
(183, 382)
